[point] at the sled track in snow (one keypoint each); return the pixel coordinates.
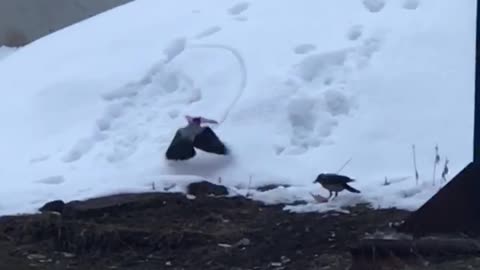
(243, 70)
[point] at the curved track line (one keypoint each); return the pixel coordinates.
(243, 70)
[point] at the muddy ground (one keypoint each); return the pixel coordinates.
(170, 231)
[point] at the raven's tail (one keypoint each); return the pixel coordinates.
(351, 189)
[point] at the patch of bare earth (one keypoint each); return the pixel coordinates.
(170, 231)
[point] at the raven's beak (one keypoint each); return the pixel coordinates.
(206, 120)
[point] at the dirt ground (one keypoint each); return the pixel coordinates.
(170, 231)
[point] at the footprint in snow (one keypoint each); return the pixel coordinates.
(208, 32)
(39, 159)
(320, 65)
(123, 148)
(112, 112)
(304, 48)
(241, 18)
(81, 148)
(374, 6)
(411, 4)
(52, 180)
(174, 113)
(321, 95)
(176, 47)
(336, 102)
(310, 123)
(132, 110)
(332, 66)
(355, 32)
(239, 8)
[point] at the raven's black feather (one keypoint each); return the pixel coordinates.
(208, 141)
(180, 148)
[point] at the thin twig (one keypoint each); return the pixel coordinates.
(435, 162)
(445, 171)
(249, 185)
(343, 166)
(386, 182)
(415, 164)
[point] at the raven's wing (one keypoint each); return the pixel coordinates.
(180, 148)
(332, 178)
(208, 141)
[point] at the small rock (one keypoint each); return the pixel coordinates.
(169, 263)
(225, 245)
(205, 188)
(276, 264)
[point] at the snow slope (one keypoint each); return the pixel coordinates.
(300, 87)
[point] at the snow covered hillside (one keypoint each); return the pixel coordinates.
(299, 87)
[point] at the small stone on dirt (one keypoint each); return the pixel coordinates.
(205, 188)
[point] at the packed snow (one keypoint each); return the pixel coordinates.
(299, 88)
